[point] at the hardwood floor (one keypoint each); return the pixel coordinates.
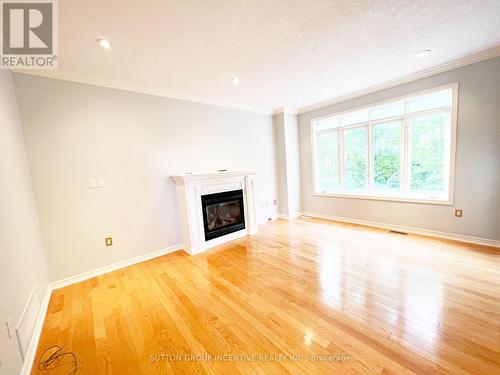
(382, 303)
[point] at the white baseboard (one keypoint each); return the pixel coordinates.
(289, 217)
(113, 267)
(401, 228)
(37, 330)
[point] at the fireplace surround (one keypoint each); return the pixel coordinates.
(230, 220)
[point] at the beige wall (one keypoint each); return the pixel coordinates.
(477, 178)
(281, 173)
(22, 263)
(286, 135)
(135, 142)
(293, 164)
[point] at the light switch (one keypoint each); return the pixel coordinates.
(100, 182)
(92, 183)
(8, 323)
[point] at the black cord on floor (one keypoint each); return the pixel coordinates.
(51, 361)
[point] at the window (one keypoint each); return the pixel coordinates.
(402, 149)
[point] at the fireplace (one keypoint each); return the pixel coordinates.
(196, 191)
(223, 213)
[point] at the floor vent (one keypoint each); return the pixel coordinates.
(397, 232)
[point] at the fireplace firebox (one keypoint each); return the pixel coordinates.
(223, 213)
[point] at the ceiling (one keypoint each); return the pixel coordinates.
(289, 54)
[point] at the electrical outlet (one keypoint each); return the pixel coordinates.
(275, 202)
(109, 241)
(10, 330)
(458, 213)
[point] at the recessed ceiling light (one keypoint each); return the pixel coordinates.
(104, 43)
(298, 98)
(424, 52)
(235, 80)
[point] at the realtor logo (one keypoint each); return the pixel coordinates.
(29, 37)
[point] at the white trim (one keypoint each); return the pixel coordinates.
(113, 267)
(35, 336)
(458, 63)
(209, 176)
(111, 84)
(289, 217)
(452, 112)
(453, 145)
(285, 110)
(413, 230)
(388, 198)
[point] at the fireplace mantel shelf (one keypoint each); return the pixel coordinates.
(198, 177)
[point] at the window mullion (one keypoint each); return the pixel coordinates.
(341, 159)
(369, 161)
(405, 163)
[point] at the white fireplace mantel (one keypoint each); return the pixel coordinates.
(191, 187)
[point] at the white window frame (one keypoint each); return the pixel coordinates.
(370, 194)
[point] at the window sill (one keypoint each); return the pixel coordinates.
(382, 198)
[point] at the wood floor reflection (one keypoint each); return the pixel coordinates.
(317, 297)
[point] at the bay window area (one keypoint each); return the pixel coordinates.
(402, 149)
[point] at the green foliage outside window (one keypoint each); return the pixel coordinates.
(387, 156)
(327, 161)
(428, 137)
(426, 148)
(355, 159)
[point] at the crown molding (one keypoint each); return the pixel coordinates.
(147, 91)
(458, 63)
(286, 110)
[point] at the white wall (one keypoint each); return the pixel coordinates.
(477, 178)
(22, 263)
(135, 142)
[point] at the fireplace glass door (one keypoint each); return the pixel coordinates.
(223, 213)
